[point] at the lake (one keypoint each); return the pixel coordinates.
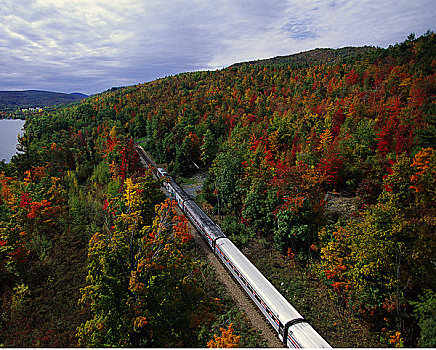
(9, 130)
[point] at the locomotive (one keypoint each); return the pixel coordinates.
(292, 329)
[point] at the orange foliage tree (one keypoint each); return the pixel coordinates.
(226, 340)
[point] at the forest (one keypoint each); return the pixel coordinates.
(328, 157)
(36, 98)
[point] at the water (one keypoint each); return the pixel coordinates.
(9, 130)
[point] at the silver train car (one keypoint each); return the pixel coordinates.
(292, 329)
(290, 326)
(210, 231)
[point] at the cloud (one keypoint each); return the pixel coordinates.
(90, 46)
(300, 30)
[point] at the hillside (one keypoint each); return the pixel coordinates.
(320, 159)
(36, 98)
(322, 172)
(314, 57)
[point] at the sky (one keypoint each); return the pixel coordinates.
(89, 46)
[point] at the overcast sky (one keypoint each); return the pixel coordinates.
(90, 46)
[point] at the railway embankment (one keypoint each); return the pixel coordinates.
(299, 285)
(257, 331)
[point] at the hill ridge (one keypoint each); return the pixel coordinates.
(37, 98)
(310, 57)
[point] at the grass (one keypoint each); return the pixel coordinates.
(186, 181)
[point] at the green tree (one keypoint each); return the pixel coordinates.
(227, 173)
(208, 148)
(425, 312)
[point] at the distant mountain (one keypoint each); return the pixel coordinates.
(312, 57)
(80, 95)
(37, 98)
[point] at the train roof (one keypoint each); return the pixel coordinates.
(306, 336)
(205, 220)
(163, 171)
(264, 289)
(179, 190)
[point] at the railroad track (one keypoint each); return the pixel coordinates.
(287, 323)
(234, 289)
(238, 294)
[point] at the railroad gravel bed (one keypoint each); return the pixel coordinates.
(257, 320)
(241, 299)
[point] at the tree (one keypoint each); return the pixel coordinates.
(226, 340)
(259, 207)
(163, 282)
(425, 311)
(141, 282)
(208, 148)
(227, 172)
(380, 262)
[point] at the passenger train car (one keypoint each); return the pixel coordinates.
(292, 329)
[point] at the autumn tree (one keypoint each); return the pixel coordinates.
(141, 282)
(226, 340)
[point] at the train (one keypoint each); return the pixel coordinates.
(292, 329)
